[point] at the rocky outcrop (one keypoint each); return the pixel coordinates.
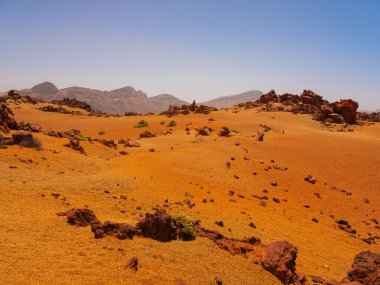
(61, 110)
(7, 121)
(24, 139)
(159, 226)
(365, 269)
(279, 258)
(75, 145)
(370, 117)
(343, 111)
(73, 103)
(187, 109)
(35, 128)
(347, 109)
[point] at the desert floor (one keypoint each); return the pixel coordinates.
(39, 247)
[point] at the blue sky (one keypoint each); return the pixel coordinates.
(196, 49)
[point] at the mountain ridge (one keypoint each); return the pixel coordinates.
(127, 98)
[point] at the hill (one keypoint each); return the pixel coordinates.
(118, 101)
(232, 100)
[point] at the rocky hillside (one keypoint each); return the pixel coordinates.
(118, 101)
(232, 100)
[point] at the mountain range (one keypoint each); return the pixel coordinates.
(127, 99)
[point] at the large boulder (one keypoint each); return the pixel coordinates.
(23, 138)
(347, 109)
(279, 258)
(159, 226)
(365, 268)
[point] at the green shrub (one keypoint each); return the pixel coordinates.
(83, 138)
(171, 124)
(187, 227)
(141, 124)
(162, 123)
(102, 133)
(329, 120)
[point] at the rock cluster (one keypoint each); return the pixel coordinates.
(75, 145)
(73, 103)
(7, 121)
(61, 110)
(343, 111)
(186, 109)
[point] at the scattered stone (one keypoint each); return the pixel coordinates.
(133, 264)
(219, 223)
(224, 132)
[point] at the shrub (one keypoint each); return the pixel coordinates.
(83, 138)
(101, 133)
(329, 120)
(187, 227)
(162, 123)
(171, 124)
(141, 124)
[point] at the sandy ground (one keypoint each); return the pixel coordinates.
(39, 247)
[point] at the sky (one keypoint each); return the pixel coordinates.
(195, 49)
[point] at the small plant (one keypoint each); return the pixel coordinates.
(102, 133)
(83, 138)
(329, 120)
(141, 124)
(162, 123)
(187, 227)
(171, 124)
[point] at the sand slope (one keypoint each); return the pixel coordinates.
(38, 247)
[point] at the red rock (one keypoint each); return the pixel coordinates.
(118, 230)
(75, 145)
(224, 132)
(81, 217)
(133, 263)
(279, 258)
(269, 97)
(131, 143)
(22, 138)
(346, 108)
(159, 226)
(147, 134)
(366, 268)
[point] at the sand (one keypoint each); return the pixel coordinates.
(39, 247)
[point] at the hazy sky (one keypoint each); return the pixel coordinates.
(197, 49)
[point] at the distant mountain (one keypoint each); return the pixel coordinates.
(232, 100)
(118, 101)
(127, 99)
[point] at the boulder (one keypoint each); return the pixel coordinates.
(147, 134)
(23, 138)
(347, 109)
(279, 258)
(118, 230)
(365, 268)
(224, 132)
(204, 131)
(81, 217)
(131, 143)
(159, 226)
(75, 145)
